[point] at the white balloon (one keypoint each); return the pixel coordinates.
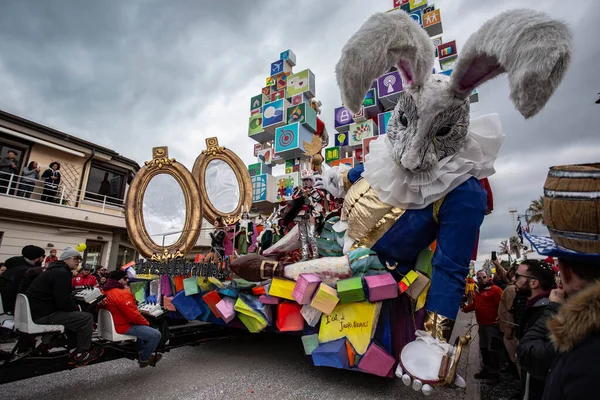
(399, 371)
(417, 385)
(427, 389)
(406, 380)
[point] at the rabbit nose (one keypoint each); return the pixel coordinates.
(411, 161)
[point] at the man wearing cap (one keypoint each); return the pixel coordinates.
(51, 304)
(85, 278)
(10, 281)
(128, 319)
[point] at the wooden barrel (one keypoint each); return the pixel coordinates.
(572, 206)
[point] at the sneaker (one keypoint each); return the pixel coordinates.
(154, 358)
(83, 359)
(483, 374)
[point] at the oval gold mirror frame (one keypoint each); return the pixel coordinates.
(134, 215)
(215, 152)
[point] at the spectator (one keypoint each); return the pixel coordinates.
(51, 258)
(52, 180)
(2, 268)
(499, 278)
(506, 321)
(51, 304)
(10, 281)
(100, 272)
(85, 278)
(535, 279)
(30, 175)
(486, 301)
(128, 320)
(575, 331)
(8, 165)
(102, 281)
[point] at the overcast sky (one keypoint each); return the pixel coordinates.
(131, 75)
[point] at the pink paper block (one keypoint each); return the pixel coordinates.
(376, 361)
(265, 299)
(381, 287)
(225, 309)
(305, 288)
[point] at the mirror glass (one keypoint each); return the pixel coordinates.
(164, 209)
(222, 187)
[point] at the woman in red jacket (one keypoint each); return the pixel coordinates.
(128, 320)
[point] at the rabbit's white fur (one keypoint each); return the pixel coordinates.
(431, 119)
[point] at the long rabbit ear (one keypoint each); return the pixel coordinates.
(385, 40)
(533, 48)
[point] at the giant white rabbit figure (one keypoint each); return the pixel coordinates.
(420, 181)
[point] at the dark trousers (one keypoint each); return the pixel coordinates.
(50, 194)
(25, 188)
(491, 346)
(76, 323)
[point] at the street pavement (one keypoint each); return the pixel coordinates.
(257, 367)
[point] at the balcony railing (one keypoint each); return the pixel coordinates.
(62, 194)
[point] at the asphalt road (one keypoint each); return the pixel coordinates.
(259, 367)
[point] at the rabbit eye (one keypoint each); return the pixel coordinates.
(443, 131)
(403, 119)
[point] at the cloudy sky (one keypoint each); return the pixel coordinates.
(135, 74)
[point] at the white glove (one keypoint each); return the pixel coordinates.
(332, 181)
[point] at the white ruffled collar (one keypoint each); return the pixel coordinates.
(405, 189)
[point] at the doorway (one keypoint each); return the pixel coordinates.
(93, 254)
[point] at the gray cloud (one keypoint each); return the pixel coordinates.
(132, 75)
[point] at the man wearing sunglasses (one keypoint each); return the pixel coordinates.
(51, 304)
(534, 279)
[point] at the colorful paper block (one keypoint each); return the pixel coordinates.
(350, 290)
(305, 288)
(211, 299)
(417, 16)
(448, 63)
(341, 140)
(349, 161)
(367, 145)
(359, 131)
(301, 82)
(285, 185)
(264, 188)
(266, 91)
(383, 120)
(351, 353)
(389, 87)
(332, 354)
(254, 169)
(311, 315)
(289, 57)
(290, 139)
(225, 309)
(274, 115)
(289, 318)
(360, 116)
(276, 67)
(371, 105)
(432, 23)
(304, 115)
(256, 102)
(266, 155)
(417, 287)
(447, 50)
(342, 119)
(427, 10)
(258, 290)
(381, 287)
(358, 155)
(282, 81)
(255, 124)
(310, 343)
(266, 299)
(325, 299)
(376, 361)
(282, 288)
(332, 154)
(298, 99)
(279, 94)
(417, 4)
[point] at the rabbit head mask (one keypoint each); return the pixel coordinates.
(431, 119)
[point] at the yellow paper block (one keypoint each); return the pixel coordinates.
(325, 299)
(204, 286)
(216, 282)
(355, 321)
(422, 297)
(282, 288)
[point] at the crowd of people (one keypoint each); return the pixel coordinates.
(549, 343)
(23, 185)
(49, 283)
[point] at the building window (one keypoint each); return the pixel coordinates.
(125, 255)
(104, 183)
(93, 254)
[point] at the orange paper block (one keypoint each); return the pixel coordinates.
(325, 299)
(282, 288)
(289, 318)
(258, 290)
(351, 353)
(211, 299)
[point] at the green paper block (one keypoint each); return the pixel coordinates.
(332, 154)
(350, 290)
(310, 342)
(357, 359)
(254, 169)
(423, 264)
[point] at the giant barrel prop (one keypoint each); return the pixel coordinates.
(571, 196)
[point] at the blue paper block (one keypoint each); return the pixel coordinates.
(228, 291)
(331, 354)
(187, 306)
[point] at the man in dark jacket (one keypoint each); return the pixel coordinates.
(10, 281)
(535, 279)
(575, 332)
(8, 165)
(51, 304)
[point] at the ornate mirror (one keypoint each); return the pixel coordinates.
(163, 208)
(224, 183)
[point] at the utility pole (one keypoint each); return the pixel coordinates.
(513, 213)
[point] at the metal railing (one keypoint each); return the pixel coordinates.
(61, 194)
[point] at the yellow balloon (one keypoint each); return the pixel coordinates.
(81, 247)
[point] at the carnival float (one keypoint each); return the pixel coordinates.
(362, 246)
